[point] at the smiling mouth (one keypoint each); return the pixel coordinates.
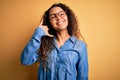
(59, 23)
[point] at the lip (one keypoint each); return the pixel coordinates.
(60, 22)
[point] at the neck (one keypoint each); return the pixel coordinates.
(62, 37)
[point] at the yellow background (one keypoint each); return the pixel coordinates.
(99, 22)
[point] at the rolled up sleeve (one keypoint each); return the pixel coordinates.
(29, 54)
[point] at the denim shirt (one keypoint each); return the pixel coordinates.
(69, 62)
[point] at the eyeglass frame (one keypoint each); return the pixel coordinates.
(55, 16)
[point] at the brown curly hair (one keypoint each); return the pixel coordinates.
(47, 43)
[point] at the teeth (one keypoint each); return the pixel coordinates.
(60, 22)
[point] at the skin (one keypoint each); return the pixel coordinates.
(59, 25)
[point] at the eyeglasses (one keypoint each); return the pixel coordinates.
(55, 16)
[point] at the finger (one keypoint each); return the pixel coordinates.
(41, 22)
(50, 35)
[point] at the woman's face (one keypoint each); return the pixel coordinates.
(58, 19)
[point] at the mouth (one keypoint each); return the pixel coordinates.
(60, 22)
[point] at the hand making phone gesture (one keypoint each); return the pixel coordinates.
(45, 28)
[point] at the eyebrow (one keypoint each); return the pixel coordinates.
(55, 13)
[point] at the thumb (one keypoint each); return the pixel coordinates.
(41, 22)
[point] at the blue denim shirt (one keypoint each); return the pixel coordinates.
(69, 62)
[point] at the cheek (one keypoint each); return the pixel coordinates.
(67, 22)
(53, 23)
(66, 19)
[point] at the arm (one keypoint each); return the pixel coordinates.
(29, 54)
(82, 65)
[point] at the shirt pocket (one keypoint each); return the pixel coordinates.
(73, 57)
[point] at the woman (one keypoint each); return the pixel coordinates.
(56, 45)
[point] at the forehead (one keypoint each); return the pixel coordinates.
(55, 10)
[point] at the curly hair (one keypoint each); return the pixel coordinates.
(47, 43)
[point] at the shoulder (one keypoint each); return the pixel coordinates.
(80, 45)
(79, 42)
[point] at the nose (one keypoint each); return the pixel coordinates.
(58, 17)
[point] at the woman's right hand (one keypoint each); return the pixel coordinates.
(45, 28)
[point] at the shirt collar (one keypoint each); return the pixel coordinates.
(72, 39)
